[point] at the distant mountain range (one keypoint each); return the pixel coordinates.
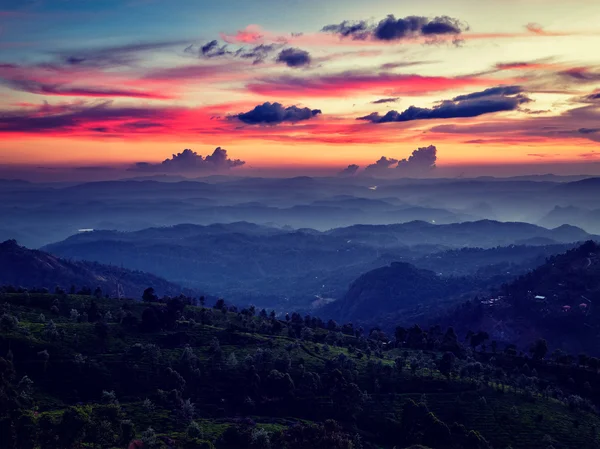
(22, 267)
(268, 266)
(38, 214)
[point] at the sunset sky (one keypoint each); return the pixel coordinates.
(289, 86)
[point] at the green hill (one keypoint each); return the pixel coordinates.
(99, 373)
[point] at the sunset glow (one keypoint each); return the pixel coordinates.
(110, 84)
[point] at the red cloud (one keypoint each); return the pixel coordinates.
(252, 34)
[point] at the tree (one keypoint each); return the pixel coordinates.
(149, 295)
(74, 426)
(478, 339)
(93, 312)
(400, 335)
(101, 329)
(539, 349)
(149, 438)
(446, 364)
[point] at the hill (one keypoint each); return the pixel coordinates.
(22, 267)
(557, 300)
(84, 372)
(392, 290)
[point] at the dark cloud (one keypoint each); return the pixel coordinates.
(294, 57)
(64, 118)
(105, 57)
(213, 49)
(190, 161)
(574, 123)
(354, 29)
(395, 29)
(588, 130)
(349, 170)
(492, 91)
(399, 65)
(581, 75)
(496, 99)
(420, 162)
(275, 113)
(40, 88)
(258, 53)
(386, 100)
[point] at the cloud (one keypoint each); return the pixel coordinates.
(572, 124)
(214, 49)
(274, 113)
(74, 116)
(495, 99)
(294, 57)
(190, 161)
(581, 75)
(61, 81)
(360, 29)
(396, 29)
(386, 100)
(350, 170)
(593, 97)
(535, 28)
(380, 166)
(420, 162)
(107, 57)
(40, 88)
(352, 82)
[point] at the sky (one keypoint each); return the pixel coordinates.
(96, 89)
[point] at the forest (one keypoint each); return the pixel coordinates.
(78, 369)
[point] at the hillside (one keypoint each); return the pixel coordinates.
(557, 300)
(172, 375)
(392, 290)
(22, 267)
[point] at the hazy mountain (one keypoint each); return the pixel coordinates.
(484, 233)
(274, 266)
(584, 218)
(22, 267)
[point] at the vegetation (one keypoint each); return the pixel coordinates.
(81, 370)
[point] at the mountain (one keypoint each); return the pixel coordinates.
(483, 234)
(556, 301)
(383, 294)
(22, 267)
(272, 266)
(588, 219)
